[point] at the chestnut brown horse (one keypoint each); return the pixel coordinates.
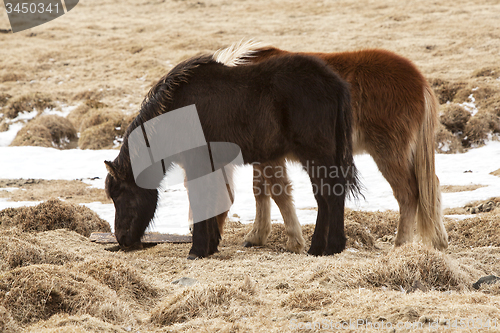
(394, 118)
(287, 105)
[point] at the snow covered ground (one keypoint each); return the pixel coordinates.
(472, 167)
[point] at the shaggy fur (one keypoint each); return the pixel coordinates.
(286, 105)
(394, 119)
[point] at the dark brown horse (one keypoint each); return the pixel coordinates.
(286, 106)
(394, 116)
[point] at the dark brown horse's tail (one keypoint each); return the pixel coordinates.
(429, 215)
(344, 155)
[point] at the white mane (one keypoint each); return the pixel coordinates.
(237, 53)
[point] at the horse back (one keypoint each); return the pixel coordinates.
(271, 107)
(387, 93)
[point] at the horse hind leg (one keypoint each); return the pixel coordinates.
(330, 191)
(334, 195)
(398, 172)
(321, 229)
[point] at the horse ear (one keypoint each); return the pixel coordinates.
(112, 170)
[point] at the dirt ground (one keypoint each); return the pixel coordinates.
(103, 56)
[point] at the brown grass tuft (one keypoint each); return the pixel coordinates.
(358, 236)
(308, 300)
(19, 249)
(95, 104)
(37, 292)
(4, 98)
(101, 136)
(15, 252)
(28, 102)
(446, 142)
(200, 301)
(11, 77)
(92, 113)
(78, 114)
(379, 224)
(412, 262)
(88, 95)
(482, 94)
(100, 128)
(121, 277)
(7, 323)
(445, 90)
(479, 128)
(64, 323)
(54, 214)
(61, 129)
(75, 191)
(476, 231)
(100, 116)
(33, 135)
(454, 117)
(487, 71)
(47, 131)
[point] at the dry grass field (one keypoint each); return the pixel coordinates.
(98, 62)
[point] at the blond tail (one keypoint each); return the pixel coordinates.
(429, 215)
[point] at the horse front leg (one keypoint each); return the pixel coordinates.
(281, 192)
(262, 224)
(214, 235)
(201, 239)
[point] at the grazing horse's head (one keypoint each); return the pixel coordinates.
(134, 206)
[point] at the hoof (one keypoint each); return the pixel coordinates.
(247, 244)
(115, 248)
(214, 251)
(294, 247)
(315, 252)
(133, 247)
(331, 252)
(192, 257)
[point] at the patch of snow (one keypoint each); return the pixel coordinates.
(460, 216)
(15, 126)
(105, 211)
(444, 146)
(8, 136)
(9, 189)
(25, 115)
(4, 203)
(470, 106)
(65, 111)
(172, 212)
